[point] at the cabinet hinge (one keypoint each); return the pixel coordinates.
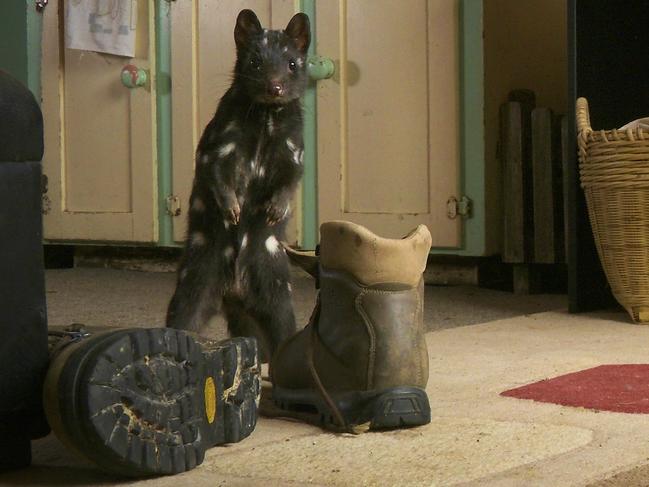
(461, 207)
(173, 205)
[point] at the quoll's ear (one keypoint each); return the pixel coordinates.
(247, 26)
(299, 29)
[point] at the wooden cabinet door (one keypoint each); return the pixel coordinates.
(388, 121)
(99, 138)
(202, 61)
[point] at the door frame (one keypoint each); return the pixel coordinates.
(472, 170)
(163, 120)
(310, 230)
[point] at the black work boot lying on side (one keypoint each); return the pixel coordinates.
(140, 402)
(362, 361)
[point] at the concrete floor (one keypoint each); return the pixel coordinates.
(480, 343)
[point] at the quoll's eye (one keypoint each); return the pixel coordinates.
(292, 66)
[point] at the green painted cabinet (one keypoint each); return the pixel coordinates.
(171, 46)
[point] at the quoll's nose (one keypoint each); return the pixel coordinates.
(275, 88)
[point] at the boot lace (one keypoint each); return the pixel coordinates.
(335, 411)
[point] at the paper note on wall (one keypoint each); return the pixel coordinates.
(101, 25)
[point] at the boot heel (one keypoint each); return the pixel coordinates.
(241, 387)
(399, 407)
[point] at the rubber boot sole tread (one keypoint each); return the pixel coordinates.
(397, 407)
(149, 402)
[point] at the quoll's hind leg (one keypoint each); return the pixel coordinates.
(204, 273)
(276, 317)
(263, 274)
(242, 323)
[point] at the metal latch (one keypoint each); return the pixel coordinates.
(455, 207)
(173, 205)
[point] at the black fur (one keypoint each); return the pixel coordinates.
(248, 163)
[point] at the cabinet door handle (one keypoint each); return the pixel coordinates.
(132, 76)
(320, 67)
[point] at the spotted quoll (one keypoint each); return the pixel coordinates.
(248, 163)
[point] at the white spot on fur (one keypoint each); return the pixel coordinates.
(271, 125)
(230, 127)
(205, 159)
(272, 245)
(264, 41)
(198, 205)
(297, 152)
(285, 49)
(183, 274)
(226, 149)
(244, 241)
(300, 62)
(261, 171)
(289, 287)
(228, 252)
(198, 239)
(279, 109)
(226, 224)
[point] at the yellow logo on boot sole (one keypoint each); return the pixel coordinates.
(210, 400)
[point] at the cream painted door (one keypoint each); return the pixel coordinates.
(202, 60)
(388, 121)
(99, 138)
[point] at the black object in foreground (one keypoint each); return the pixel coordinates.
(23, 317)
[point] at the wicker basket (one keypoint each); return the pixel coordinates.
(614, 173)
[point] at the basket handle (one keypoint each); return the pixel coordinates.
(583, 117)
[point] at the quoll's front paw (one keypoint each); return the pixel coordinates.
(233, 214)
(276, 212)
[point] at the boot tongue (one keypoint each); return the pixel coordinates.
(308, 261)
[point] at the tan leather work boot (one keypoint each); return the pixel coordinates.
(362, 359)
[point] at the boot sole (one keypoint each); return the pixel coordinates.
(398, 407)
(150, 402)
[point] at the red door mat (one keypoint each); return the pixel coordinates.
(618, 388)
